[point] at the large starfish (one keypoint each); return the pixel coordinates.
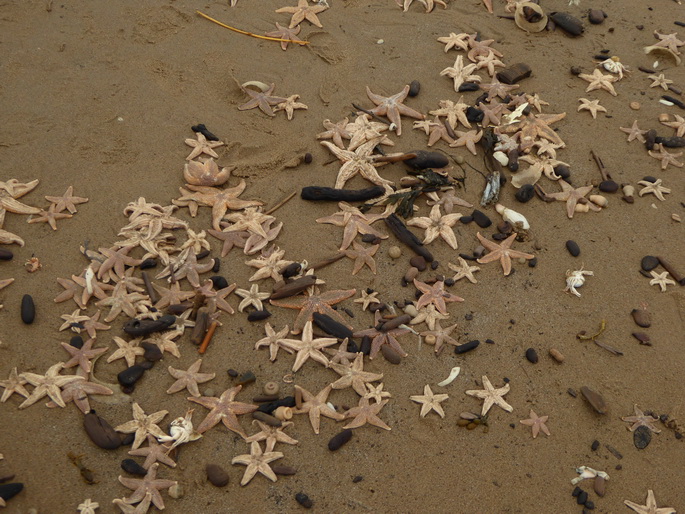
(460, 73)
(82, 356)
(436, 295)
(501, 252)
(360, 162)
(437, 224)
(149, 484)
(271, 434)
(78, 391)
(571, 196)
(599, 81)
(224, 409)
(67, 201)
(354, 376)
(454, 112)
(9, 192)
(535, 126)
(366, 412)
(317, 302)
(392, 107)
(315, 406)
(354, 221)
(220, 200)
(142, 425)
(307, 347)
(650, 506)
(491, 396)
(49, 385)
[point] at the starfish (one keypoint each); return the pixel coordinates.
(460, 73)
(362, 256)
(650, 507)
(367, 298)
(437, 224)
(142, 425)
(165, 341)
(273, 340)
(148, 484)
(128, 350)
(641, 420)
(289, 105)
(50, 217)
(78, 391)
(428, 315)
(364, 413)
(599, 81)
(153, 453)
(172, 295)
(81, 357)
(354, 221)
(430, 401)
(8, 238)
(202, 146)
(354, 376)
(441, 335)
(121, 301)
(49, 385)
(88, 507)
(467, 139)
(252, 297)
(271, 435)
(9, 192)
(463, 270)
(66, 201)
(311, 303)
(678, 124)
(491, 396)
(116, 260)
(436, 295)
(455, 112)
(376, 393)
(363, 130)
(308, 347)
(220, 200)
(392, 107)
(257, 461)
(73, 321)
(661, 280)
(290, 35)
(592, 106)
(224, 409)
(231, 239)
(456, 41)
(262, 99)
(381, 337)
(140, 508)
(269, 265)
(189, 379)
(570, 195)
(436, 131)
(660, 81)
(492, 113)
(315, 406)
(303, 11)
(489, 61)
(502, 251)
(14, 384)
(448, 200)
(497, 88)
(336, 132)
(251, 219)
(428, 4)
(535, 126)
(196, 240)
(360, 162)
(665, 157)
(536, 423)
(186, 266)
(206, 173)
(634, 132)
(341, 355)
(653, 187)
(669, 41)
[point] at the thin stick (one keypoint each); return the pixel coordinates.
(208, 337)
(281, 203)
(249, 33)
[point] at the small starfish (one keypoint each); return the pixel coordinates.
(308, 347)
(153, 453)
(436, 295)
(501, 252)
(669, 41)
(315, 406)
(14, 384)
(285, 33)
(303, 11)
(78, 391)
(392, 107)
(92, 325)
(491, 396)
(592, 106)
(376, 393)
(88, 507)
(81, 357)
(271, 435)
(67, 201)
(251, 219)
(460, 73)
(9, 192)
(354, 222)
(428, 315)
(463, 270)
(263, 99)
(274, 340)
(441, 335)
(224, 409)
(50, 217)
(202, 146)
(128, 350)
(336, 132)
(73, 321)
(289, 105)
(165, 341)
(436, 131)
(437, 224)
(536, 423)
(269, 265)
(185, 266)
(341, 355)
(252, 297)
(317, 302)
(121, 301)
(360, 162)
(258, 461)
(363, 130)
(454, 112)
(148, 484)
(116, 260)
(365, 413)
(641, 420)
(571, 196)
(492, 113)
(661, 280)
(142, 425)
(634, 132)
(654, 188)
(534, 126)
(467, 139)
(599, 81)
(456, 41)
(362, 256)
(430, 401)
(381, 337)
(447, 200)
(428, 4)
(678, 124)
(660, 80)
(650, 506)
(665, 157)
(140, 508)
(489, 61)
(189, 379)
(367, 299)
(354, 376)
(172, 295)
(49, 385)
(231, 239)
(497, 88)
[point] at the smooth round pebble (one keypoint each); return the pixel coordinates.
(304, 500)
(395, 252)
(216, 475)
(641, 318)
(649, 262)
(28, 309)
(532, 355)
(642, 437)
(573, 248)
(525, 193)
(481, 219)
(418, 262)
(176, 491)
(635, 106)
(556, 355)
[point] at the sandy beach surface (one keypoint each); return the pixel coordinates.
(101, 96)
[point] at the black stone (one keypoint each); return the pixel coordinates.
(649, 262)
(642, 437)
(131, 375)
(76, 342)
(148, 263)
(338, 440)
(132, 467)
(217, 265)
(152, 352)
(308, 158)
(6, 255)
(608, 186)
(481, 219)
(474, 115)
(595, 445)
(533, 262)
(589, 505)
(525, 193)
(469, 86)
(414, 88)
(219, 282)
(532, 355)
(28, 309)
(466, 347)
(141, 327)
(304, 500)
(101, 432)
(466, 219)
(425, 159)
(8, 491)
(563, 171)
(581, 498)
(576, 492)
(258, 315)
(573, 247)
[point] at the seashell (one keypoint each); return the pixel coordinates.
(206, 173)
(256, 83)
(453, 375)
(501, 157)
(663, 50)
(582, 207)
(599, 200)
(523, 23)
(568, 23)
(517, 219)
(283, 413)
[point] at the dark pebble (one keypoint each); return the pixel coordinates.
(370, 239)
(101, 432)
(490, 341)
(581, 498)
(426, 159)
(357, 479)
(466, 347)
(132, 467)
(499, 237)
(418, 262)
(291, 270)
(148, 263)
(595, 16)
(270, 420)
(608, 186)
(365, 345)
(595, 399)
(576, 492)
(131, 375)
(434, 265)
(216, 475)
(258, 315)
(642, 437)
(146, 364)
(649, 262)
(468, 317)
(449, 282)
(339, 439)
(141, 327)
(474, 115)
(570, 24)
(390, 354)
(649, 178)
(8, 491)
(468, 86)
(641, 318)
(589, 505)
(202, 129)
(643, 338)
(331, 327)
(127, 439)
(525, 193)
(76, 342)
(283, 470)
(246, 378)
(304, 500)
(414, 88)
(6, 255)
(533, 262)
(595, 445)
(152, 352)
(219, 282)
(202, 254)
(532, 355)
(573, 247)
(466, 219)
(28, 309)
(308, 158)
(288, 401)
(481, 219)
(217, 265)
(178, 308)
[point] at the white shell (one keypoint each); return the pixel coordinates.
(501, 157)
(453, 374)
(517, 219)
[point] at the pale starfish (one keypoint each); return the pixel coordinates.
(456, 41)
(661, 280)
(149, 484)
(269, 265)
(153, 453)
(336, 132)
(9, 192)
(454, 112)
(571, 196)
(363, 130)
(665, 157)
(492, 113)
(660, 80)
(367, 298)
(142, 425)
(650, 506)
(502, 252)
(441, 335)
(165, 341)
(437, 224)
(428, 315)
(354, 221)
(536, 423)
(128, 350)
(14, 384)
(354, 376)
(258, 461)
(498, 89)
(376, 393)
(460, 73)
(220, 200)
(116, 260)
(224, 409)
(73, 321)
(464, 270)
(534, 126)
(172, 295)
(121, 301)
(8, 238)
(251, 297)
(67, 201)
(185, 265)
(189, 379)
(467, 139)
(360, 162)
(251, 219)
(430, 401)
(315, 406)
(383, 337)
(447, 200)
(206, 173)
(230, 239)
(365, 413)
(262, 99)
(669, 41)
(392, 107)
(362, 256)
(436, 295)
(78, 391)
(599, 81)
(678, 124)
(491, 396)
(428, 4)
(140, 508)
(634, 132)
(82, 356)
(289, 105)
(88, 507)
(50, 217)
(196, 240)
(490, 62)
(273, 340)
(202, 146)
(641, 420)
(304, 11)
(290, 35)
(316, 302)
(654, 188)
(271, 435)
(435, 130)
(342, 355)
(307, 347)
(592, 106)
(49, 385)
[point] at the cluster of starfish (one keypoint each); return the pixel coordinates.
(263, 99)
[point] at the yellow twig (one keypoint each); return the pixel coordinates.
(250, 33)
